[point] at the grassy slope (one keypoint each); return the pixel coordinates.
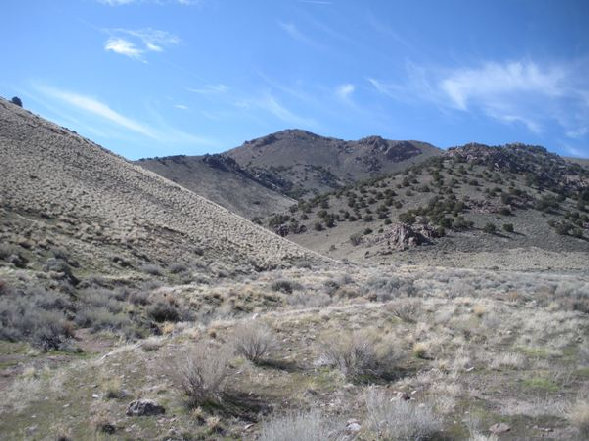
(59, 189)
(236, 192)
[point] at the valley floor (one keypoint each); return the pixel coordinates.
(448, 353)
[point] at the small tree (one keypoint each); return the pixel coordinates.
(16, 100)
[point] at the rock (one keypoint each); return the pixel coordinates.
(499, 428)
(145, 408)
(353, 426)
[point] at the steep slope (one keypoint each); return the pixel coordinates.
(472, 200)
(220, 179)
(59, 189)
(300, 163)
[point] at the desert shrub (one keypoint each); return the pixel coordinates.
(400, 420)
(490, 228)
(406, 309)
(310, 300)
(35, 316)
(204, 373)
(139, 298)
(164, 312)
(254, 341)
(284, 286)
(356, 239)
(100, 318)
(360, 355)
(300, 426)
(508, 228)
(388, 288)
(579, 417)
(178, 267)
(152, 268)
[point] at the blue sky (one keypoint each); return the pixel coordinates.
(150, 78)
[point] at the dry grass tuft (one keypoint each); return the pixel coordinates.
(302, 426)
(253, 340)
(399, 420)
(579, 417)
(204, 373)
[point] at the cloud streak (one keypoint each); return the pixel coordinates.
(135, 43)
(512, 92)
(162, 132)
(97, 108)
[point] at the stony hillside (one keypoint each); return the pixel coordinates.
(471, 200)
(301, 164)
(219, 179)
(61, 190)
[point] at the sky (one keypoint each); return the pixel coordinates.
(148, 78)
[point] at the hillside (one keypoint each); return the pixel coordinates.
(470, 201)
(219, 179)
(131, 308)
(300, 163)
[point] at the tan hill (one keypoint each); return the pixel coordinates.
(300, 163)
(473, 200)
(61, 190)
(219, 179)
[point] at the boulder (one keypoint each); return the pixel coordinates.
(145, 407)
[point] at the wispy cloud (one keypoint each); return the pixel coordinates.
(123, 47)
(345, 91)
(135, 43)
(496, 81)
(161, 131)
(293, 31)
(181, 106)
(97, 108)
(209, 89)
(522, 92)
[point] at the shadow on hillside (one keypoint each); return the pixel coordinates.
(282, 365)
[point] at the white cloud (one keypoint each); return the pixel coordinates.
(181, 106)
(293, 31)
(209, 89)
(494, 80)
(123, 47)
(345, 91)
(270, 104)
(97, 108)
(150, 40)
(535, 95)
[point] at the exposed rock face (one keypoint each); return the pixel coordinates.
(401, 236)
(144, 407)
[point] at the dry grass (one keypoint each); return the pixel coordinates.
(579, 417)
(204, 373)
(399, 420)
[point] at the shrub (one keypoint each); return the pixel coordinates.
(360, 354)
(284, 286)
(300, 426)
(579, 417)
(16, 100)
(152, 268)
(204, 374)
(508, 228)
(356, 239)
(254, 341)
(178, 268)
(400, 420)
(490, 228)
(164, 312)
